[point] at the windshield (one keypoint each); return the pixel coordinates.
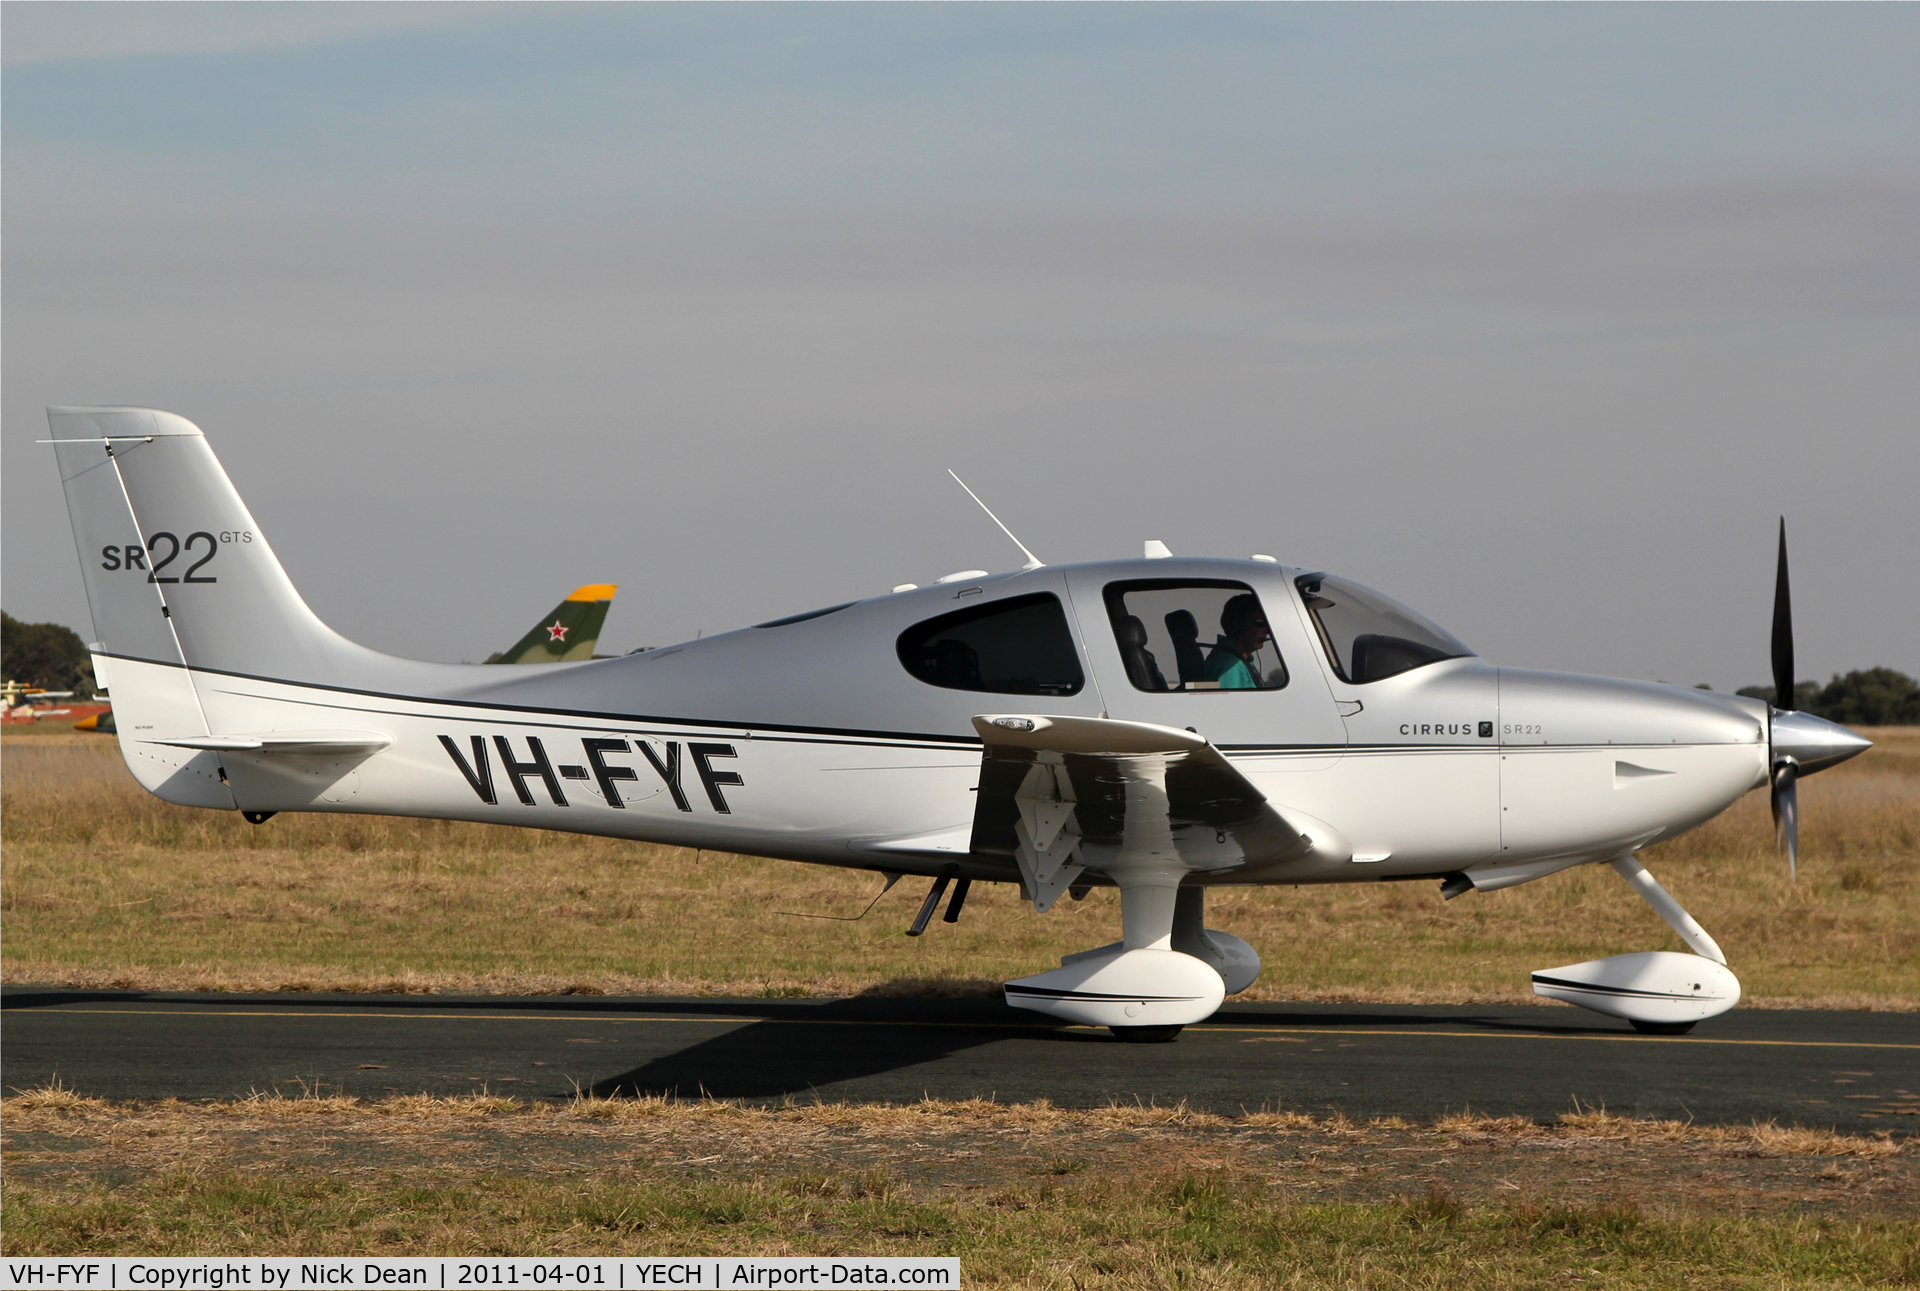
(1369, 636)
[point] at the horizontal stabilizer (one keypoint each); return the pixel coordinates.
(288, 742)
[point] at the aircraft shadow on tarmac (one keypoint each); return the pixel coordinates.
(53, 999)
(833, 1043)
(804, 1050)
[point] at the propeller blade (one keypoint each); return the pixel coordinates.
(1786, 815)
(1782, 631)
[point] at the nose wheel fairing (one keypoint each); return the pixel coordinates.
(1657, 990)
(1654, 988)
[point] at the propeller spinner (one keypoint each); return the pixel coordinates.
(1801, 742)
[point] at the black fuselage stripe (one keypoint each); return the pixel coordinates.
(623, 725)
(1045, 994)
(853, 736)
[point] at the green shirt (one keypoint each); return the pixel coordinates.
(1226, 666)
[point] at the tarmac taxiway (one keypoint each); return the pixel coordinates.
(1858, 1072)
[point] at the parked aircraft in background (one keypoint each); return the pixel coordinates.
(1158, 725)
(14, 693)
(568, 632)
(23, 704)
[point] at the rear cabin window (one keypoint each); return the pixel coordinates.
(1019, 646)
(1369, 636)
(1194, 635)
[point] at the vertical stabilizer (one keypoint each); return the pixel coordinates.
(179, 579)
(568, 632)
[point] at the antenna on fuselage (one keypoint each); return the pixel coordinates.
(1033, 561)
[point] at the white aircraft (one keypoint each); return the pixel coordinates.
(1159, 725)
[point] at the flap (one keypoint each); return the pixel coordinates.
(1219, 821)
(309, 743)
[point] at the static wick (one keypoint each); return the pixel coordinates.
(1033, 561)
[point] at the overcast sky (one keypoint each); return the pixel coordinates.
(1535, 317)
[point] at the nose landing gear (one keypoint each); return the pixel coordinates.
(1658, 991)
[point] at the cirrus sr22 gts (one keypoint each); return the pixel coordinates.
(1161, 725)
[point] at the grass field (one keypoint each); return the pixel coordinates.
(104, 884)
(1025, 1195)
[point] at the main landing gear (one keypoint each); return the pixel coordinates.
(1169, 970)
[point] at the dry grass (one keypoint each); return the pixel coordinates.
(104, 885)
(54, 1105)
(1056, 1235)
(1761, 1136)
(1025, 1194)
(51, 1099)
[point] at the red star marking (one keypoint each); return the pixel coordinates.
(556, 632)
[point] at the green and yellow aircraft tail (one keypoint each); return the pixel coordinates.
(568, 631)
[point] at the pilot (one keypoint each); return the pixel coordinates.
(1243, 630)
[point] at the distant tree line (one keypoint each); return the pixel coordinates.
(1864, 697)
(46, 655)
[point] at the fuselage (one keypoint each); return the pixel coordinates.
(845, 737)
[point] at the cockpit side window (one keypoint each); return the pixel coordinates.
(1019, 646)
(1369, 636)
(1193, 635)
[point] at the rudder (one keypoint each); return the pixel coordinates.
(179, 578)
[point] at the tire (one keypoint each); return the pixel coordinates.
(1145, 1035)
(1662, 1028)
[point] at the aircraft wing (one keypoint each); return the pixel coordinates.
(1064, 794)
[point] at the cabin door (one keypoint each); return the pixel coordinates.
(1229, 659)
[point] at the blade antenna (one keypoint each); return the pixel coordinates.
(1033, 561)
